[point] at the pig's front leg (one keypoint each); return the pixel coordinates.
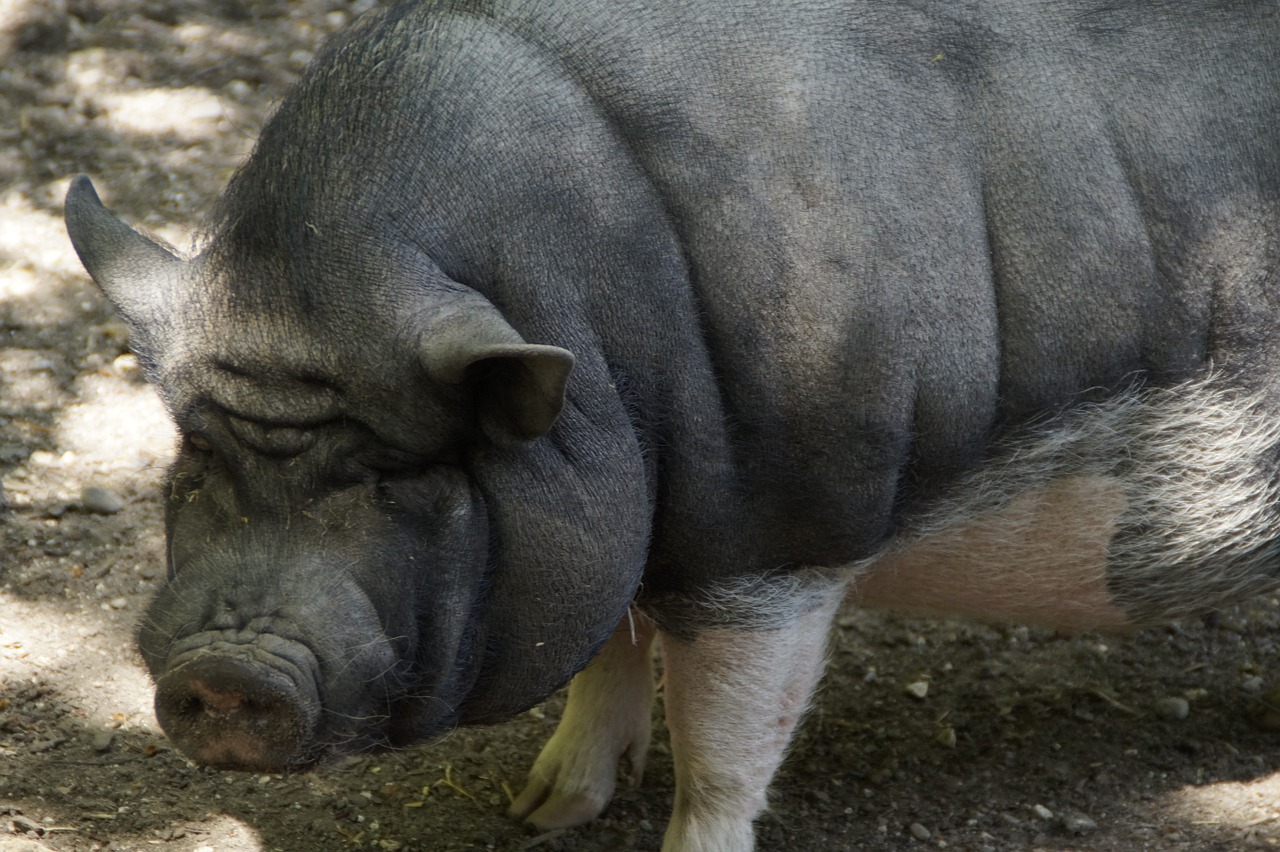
(606, 720)
(733, 698)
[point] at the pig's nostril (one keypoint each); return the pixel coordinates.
(188, 706)
(218, 703)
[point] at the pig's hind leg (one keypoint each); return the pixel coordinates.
(606, 720)
(733, 698)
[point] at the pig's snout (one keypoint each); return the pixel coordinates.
(241, 707)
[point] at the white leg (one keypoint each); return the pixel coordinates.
(733, 698)
(606, 719)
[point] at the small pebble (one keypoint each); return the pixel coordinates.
(1253, 684)
(1172, 708)
(100, 501)
(119, 603)
(43, 458)
(919, 689)
(1042, 812)
(1078, 823)
(919, 832)
(239, 89)
(946, 737)
(102, 740)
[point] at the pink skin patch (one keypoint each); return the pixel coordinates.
(733, 698)
(1041, 559)
(216, 703)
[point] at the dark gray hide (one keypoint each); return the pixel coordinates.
(813, 261)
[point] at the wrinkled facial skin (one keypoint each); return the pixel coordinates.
(326, 548)
(314, 638)
(330, 552)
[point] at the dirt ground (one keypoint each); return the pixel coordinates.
(927, 734)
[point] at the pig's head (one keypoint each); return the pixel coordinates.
(383, 520)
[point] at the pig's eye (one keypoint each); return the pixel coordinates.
(200, 442)
(271, 439)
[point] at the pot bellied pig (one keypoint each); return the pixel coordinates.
(534, 331)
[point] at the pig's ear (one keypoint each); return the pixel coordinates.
(518, 387)
(135, 273)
